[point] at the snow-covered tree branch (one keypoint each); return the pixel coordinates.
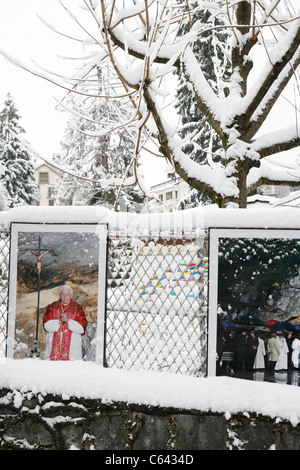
(237, 117)
(145, 41)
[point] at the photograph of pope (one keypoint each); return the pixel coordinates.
(65, 324)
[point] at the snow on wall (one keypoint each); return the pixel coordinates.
(187, 220)
(88, 380)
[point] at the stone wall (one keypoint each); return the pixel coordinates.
(52, 422)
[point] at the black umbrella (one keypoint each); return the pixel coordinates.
(248, 320)
(282, 326)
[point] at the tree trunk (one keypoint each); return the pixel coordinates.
(242, 169)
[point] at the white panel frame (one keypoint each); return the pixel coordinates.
(213, 271)
(99, 229)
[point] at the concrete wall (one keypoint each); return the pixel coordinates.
(52, 422)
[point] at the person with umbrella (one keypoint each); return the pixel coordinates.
(282, 363)
(243, 351)
(273, 350)
(253, 343)
(296, 352)
(259, 362)
(289, 342)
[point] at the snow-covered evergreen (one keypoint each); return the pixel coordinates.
(17, 175)
(93, 148)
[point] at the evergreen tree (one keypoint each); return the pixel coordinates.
(203, 145)
(93, 152)
(17, 175)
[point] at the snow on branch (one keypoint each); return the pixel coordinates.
(278, 141)
(273, 173)
(284, 59)
(146, 42)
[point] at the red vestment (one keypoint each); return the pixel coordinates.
(62, 338)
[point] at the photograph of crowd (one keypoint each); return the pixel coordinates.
(258, 318)
(243, 352)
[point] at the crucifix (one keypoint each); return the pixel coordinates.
(38, 255)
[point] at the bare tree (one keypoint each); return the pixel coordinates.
(141, 41)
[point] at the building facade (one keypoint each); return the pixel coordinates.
(168, 195)
(48, 180)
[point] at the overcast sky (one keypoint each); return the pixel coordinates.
(23, 36)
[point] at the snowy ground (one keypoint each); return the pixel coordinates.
(88, 380)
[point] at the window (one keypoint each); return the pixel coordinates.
(169, 195)
(51, 191)
(43, 177)
(161, 197)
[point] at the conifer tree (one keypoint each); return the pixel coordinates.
(17, 175)
(203, 141)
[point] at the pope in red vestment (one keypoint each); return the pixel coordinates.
(65, 324)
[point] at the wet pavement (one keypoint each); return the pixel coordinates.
(282, 377)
